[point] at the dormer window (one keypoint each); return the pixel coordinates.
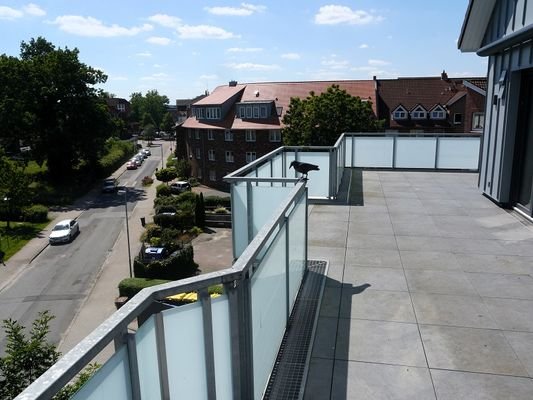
(419, 112)
(399, 113)
(438, 112)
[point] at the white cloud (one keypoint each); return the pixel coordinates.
(13, 13)
(208, 77)
(160, 76)
(291, 56)
(253, 67)
(204, 32)
(244, 10)
(92, 27)
(244, 49)
(377, 62)
(165, 20)
(334, 63)
(335, 14)
(34, 9)
(158, 40)
(363, 46)
(144, 54)
(10, 13)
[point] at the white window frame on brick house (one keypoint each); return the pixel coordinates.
(438, 113)
(250, 156)
(457, 118)
(197, 133)
(419, 113)
(211, 155)
(478, 121)
(198, 153)
(242, 112)
(399, 113)
(256, 111)
(210, 134)
(248, 111)
(228, 135)
(121, 107)
(274, 135)
(212, 175)
(250, 135)
(212, 113)
(229, 156)
(263, 110)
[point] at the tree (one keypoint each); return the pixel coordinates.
(199, 211)
(26, 357)
(320, 120)
(166, 174)
(51, 104)
(167, 124)
(14, 192)
(149, 109)
(183, 168)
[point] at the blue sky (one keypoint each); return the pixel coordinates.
(181, 48)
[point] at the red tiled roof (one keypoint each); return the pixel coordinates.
(479, 82)
(278, 92)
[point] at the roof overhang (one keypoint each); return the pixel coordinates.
(475, 24)
(475, 88)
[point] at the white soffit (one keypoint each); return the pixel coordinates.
(475, 24)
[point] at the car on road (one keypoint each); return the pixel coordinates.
(180, 187)
(142, 155)
(131, 164)
(64, 231)
(136, 161)
(147, 152)
(109, 185)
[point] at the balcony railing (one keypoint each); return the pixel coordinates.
(425, 151)
(224, 347)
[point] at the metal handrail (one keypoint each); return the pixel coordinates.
(66, 368)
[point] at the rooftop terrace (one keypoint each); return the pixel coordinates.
(429, 292)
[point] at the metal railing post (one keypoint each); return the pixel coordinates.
(134, 366)
(249, 211)
(161, 356)
(207, 318)
(287, 272)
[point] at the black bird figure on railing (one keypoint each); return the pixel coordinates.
(304, 168)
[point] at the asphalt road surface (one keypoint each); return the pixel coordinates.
(62, 276)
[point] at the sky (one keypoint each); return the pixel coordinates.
(183, 48)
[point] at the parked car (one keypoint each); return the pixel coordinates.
(180, 187)
(147, 152)
(131, 164)
(142, 154)
(136, 161)
(154, 253)
(109, 185)
(139, 158)
(64, 231)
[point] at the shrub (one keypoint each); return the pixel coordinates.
(165, 209)
(166, 174)
(193, 182)
(221, 210)
(195, 230)
(216, 201)
(181, 220)
(35, 213)
(147, 181)
(168, 239)
(155, 241)
(179, 265)
(129, 287)
(199, 211)
(151, 230)
(116, 153)
(163, 190)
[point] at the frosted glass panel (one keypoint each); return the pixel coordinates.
(373, 152)
(184, 341)
(297, 246)
(415, 152)
(147, 355)
(265, 201)
(268, 312)
(240, 221)
(277, 166)
(289, 157)
(348, 150)
(458, 153)
(111, 381)
(222, 347)
(264, 172)
(318, 182)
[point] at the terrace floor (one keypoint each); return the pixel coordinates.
(429, 293)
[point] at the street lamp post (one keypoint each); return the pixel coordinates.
(127, 229)
(162, 156)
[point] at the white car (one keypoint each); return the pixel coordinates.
(64, 231)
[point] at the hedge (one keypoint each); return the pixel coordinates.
(129, 287)
(181, 220)
(215, 201)
(163, 190)
(178, 266)
(35, 213)
(117, 153)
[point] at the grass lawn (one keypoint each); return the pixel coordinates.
(20, 233)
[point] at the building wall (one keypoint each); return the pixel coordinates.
(201, 167)
(502, 97)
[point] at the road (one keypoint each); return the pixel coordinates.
(61, 277)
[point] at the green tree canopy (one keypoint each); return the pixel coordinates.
(320, 120)
(148, 109)
(14, 192)
(167, 124)
(166, 174)
(49, 102)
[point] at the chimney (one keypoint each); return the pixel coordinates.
(232, 83)
(444, 76)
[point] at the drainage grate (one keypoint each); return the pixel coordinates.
(290, 368)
